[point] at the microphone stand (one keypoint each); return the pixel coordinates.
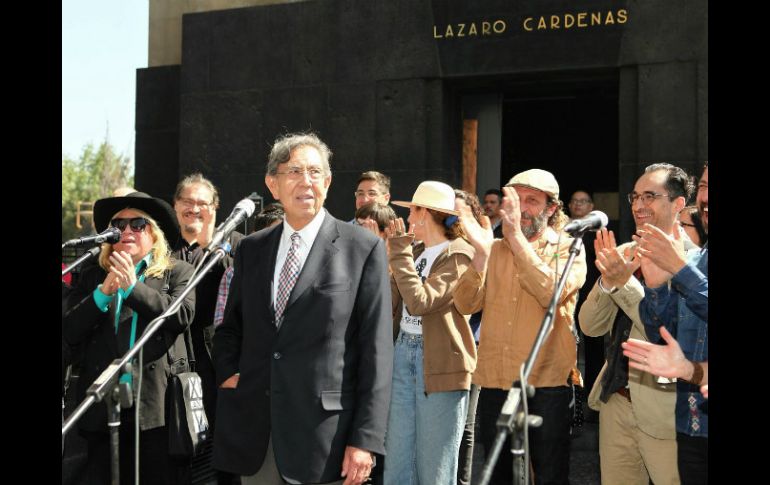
(225, 247)
(106, 387)
(512, 419)
(82, 259)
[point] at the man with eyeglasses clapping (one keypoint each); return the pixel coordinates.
(637, 437)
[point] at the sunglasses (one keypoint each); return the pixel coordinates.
(137, 223)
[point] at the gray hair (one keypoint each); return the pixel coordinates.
(284, 144)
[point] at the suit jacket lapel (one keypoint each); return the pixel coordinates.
(272, 241)
(320, 254)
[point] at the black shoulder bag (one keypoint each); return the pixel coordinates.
(188, 426)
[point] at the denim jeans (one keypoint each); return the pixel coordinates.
(548, 444)
(424, 431)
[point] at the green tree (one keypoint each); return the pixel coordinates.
(95, 174)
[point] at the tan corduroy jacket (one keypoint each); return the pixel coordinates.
(653, 403)
(514, 293)
(449, 351)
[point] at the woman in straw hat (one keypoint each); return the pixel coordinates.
(435, 353)
(112, 304)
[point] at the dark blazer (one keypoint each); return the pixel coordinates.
(321, 382)
(86, 324)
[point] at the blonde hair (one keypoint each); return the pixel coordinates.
(161, 255)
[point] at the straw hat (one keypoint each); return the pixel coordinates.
(432, 195)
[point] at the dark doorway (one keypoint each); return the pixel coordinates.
(566, 123)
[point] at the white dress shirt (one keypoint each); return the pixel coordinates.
(307, 236)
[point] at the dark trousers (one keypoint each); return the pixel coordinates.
(155, 464)
(692, 459)
(548, 444)
(465, 462)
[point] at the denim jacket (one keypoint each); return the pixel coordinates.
(682, 307)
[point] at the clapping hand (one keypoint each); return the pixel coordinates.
(615, 269)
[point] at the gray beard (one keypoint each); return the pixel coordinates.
(537, 224)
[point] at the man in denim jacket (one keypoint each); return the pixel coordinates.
(676, 296)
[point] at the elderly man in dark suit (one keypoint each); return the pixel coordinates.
(304, 355)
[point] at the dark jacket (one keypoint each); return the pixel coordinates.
(321, 382)
(85, 323)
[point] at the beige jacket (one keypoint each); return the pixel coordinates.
(514, 293)
(653, 403)
(449, 351)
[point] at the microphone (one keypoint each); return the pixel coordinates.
(594, 221)
(242, 211)
(110, 235)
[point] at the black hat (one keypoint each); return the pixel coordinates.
(158, 209)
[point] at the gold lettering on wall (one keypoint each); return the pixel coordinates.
(529, 24)
(570, 20)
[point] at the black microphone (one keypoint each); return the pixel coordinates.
(242, 211)
(110, 235)
(594, 221)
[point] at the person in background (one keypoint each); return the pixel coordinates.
(465, 459)
(372, 187)
(271, 215)
(492, 200)
(196, 201)
(375, 217)
(691, 222)
(580, 204)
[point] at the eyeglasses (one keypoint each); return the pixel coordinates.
(190, 203)
(296, 173)
(580, 201)
(137, 224)
(647, 197)
(360, 194)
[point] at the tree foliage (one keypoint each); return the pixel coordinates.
(94, 175)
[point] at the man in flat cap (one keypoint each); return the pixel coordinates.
(513, 280)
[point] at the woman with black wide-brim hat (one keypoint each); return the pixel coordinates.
(135, 281)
